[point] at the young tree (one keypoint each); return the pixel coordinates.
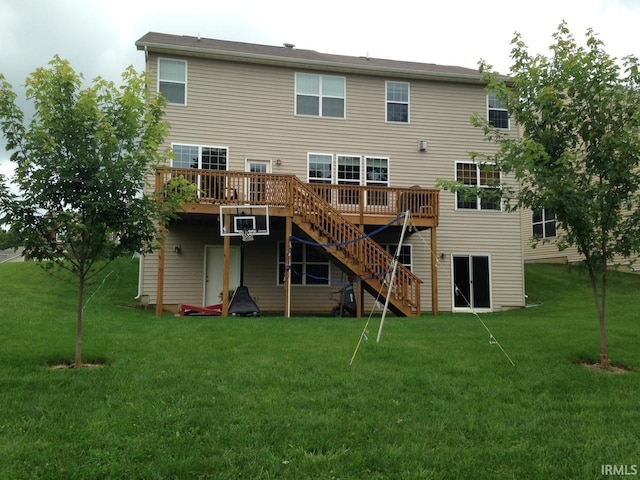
(82, 163)
(579, 153)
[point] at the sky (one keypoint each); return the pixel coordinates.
(98, 36)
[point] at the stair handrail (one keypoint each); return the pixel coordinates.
(340, 232)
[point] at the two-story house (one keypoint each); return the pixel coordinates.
(337, 148)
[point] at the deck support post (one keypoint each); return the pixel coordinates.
(359, 291)
(359, 287)
(287, 269)
(434, 271)
(227, 268)
(160, 285)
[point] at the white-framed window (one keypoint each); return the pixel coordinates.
(377, 169)
(486, 177)
(497, 114)
(320, 95)
(320, 167)
(348, 170)
(172, 80)
(543, 223)
(201, 157)
(377, 175)
(309, 265)
(397, 102)
(405, 256)
(320, 171)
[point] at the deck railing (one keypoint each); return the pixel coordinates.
(322, 206)
(374, 263)
(241, 188)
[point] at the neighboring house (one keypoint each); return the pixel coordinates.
(540, 236)
(10, 255)
(335, 146)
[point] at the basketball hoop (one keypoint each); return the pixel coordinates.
(246, 221)
(247, 235)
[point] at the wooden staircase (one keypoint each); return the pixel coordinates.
(324, 212)
(364, 258)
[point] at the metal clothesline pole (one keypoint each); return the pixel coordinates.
(393, 275)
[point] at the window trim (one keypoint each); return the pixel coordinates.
(376, 182)
(320, 96)
(543, 223)
(363, 165)
(345, 181)
(497, 109)
(395, 102)
(282, 262)
(391, 249)
(185, 83)
(478, 185)
(490, 283)
(318, 180)
(199, 147)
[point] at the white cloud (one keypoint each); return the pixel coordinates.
(98, 36)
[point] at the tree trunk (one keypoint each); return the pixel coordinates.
(604, 350)
(601, 307)
(78, 359)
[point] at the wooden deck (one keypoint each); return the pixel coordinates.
(361, 205)
(332, 215)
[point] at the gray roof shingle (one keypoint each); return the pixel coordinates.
(300, 58)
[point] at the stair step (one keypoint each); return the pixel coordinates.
(320, 234)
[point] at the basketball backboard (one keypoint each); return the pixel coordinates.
(244, 221)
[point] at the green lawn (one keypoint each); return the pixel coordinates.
(275, 398)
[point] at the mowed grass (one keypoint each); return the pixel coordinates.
(275, 398)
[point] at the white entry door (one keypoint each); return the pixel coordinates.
(214, 272)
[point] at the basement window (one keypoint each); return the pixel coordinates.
(309, 265)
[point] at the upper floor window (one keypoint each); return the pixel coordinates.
(320, 95)
(486, 177)
(172, 80)
(543, 223)
(398, 102)
(497, 115)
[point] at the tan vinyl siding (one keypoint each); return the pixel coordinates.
(484, 233)
(250, 109)
(260, 121)
(185, 271)
(544, 251)
(548, 252)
